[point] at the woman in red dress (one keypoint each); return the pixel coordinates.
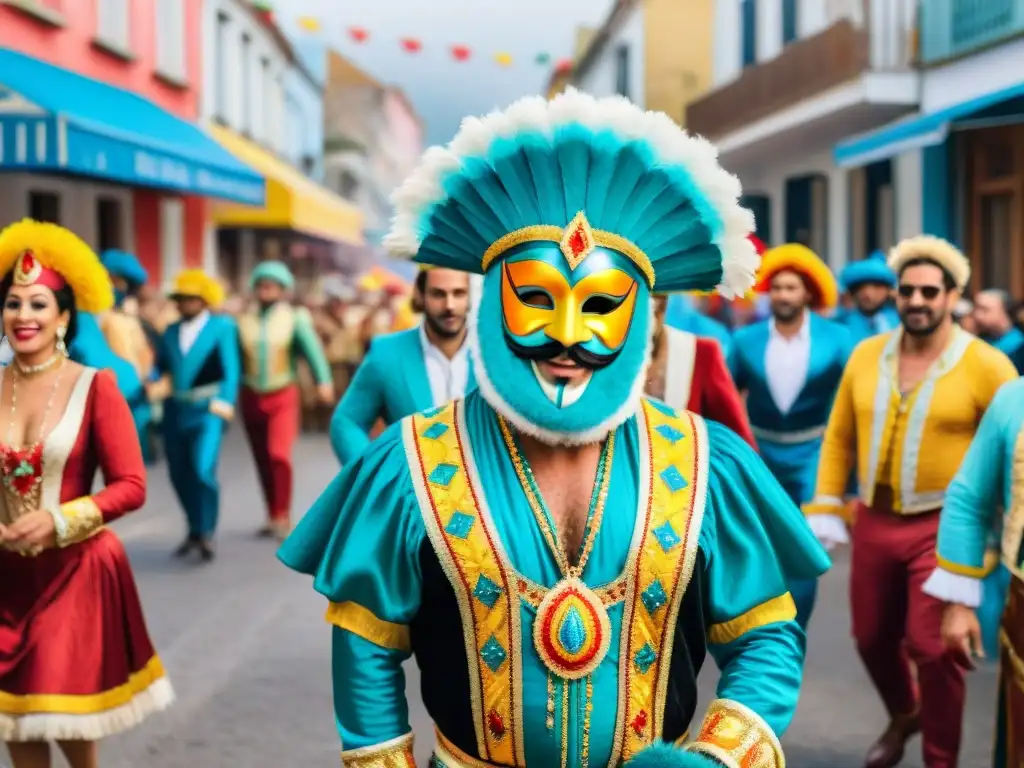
(76, 661)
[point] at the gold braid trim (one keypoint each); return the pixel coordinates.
(361, 622)
(396, 753)
(737, 737)
(781, 608)
(82, 518)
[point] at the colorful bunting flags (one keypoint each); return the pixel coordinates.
(459, 52)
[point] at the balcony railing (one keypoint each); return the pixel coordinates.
(804, 69)
(954, 28)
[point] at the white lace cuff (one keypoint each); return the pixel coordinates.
(954, 588)
(831, 530)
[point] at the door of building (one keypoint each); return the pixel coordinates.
(995, 174)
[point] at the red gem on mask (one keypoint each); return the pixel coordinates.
(578, 242)
(28, 262)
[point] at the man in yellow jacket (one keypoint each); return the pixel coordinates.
(908, 405)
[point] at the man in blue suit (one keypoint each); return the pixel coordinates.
(200, 365)
(870, 284)
(410, 371)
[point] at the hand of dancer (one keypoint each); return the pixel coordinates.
(326, 393)
(33, 531)
(961, 631)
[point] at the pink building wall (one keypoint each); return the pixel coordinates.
(68, 41)
(404, 127)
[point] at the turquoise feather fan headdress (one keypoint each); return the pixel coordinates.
(583, 172)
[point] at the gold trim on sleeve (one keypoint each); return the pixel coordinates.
(737, 737)
(82, 519)
(971, 571)
(361, 622)
(781, 608)
(396, 753)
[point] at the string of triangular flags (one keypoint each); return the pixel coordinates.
(413, 45)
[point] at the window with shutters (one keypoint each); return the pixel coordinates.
(789, 21)
(113, 25)
(170, 39)
(748, 38)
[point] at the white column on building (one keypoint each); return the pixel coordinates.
(769, 29)
(838, 218)
(909, 205)
(172, 238)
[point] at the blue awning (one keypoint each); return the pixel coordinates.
(55, 120)
(928, 130)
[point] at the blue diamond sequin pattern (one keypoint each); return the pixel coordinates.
(486, 591)
(673, 479)
(645, 658)
(460, 525)
(435, 430)
(654, 597)
(670, 433)
(443, 474)
(665, 409)
(666, 536)
(493, 654)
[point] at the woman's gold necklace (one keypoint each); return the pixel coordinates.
(31, 370)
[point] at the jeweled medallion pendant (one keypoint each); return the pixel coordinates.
(572, 632)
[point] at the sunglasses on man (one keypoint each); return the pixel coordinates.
(928, 292)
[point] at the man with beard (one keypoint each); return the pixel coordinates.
(870, 283)
(274, 334)
(510, 538)
(689, 372)
(790, 366)
(993, 320)
(907, 407)
(412, 370)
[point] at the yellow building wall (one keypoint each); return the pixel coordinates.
(678, 51)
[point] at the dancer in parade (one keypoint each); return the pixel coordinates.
(76, 661)
(790, 367)
(990, 477)
(509, 538)
(870, 284)
(200, 369)
(127, 338)
(907, 407)
(689, 372)
(274, 334)
(410, 371)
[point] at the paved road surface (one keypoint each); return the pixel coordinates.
(248, 651)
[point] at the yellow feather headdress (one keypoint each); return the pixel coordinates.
(62, 251)
(196, 283)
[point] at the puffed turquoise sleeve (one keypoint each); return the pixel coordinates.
(979, 488)
(361, 542)
(754, 540)
(90, 348)
(360, 407)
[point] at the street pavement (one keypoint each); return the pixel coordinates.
(249, 653)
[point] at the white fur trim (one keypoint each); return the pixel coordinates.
(92, 727)
(831, 530)
(935, 249)
(586, 437)
(953, 588)
(423, 189)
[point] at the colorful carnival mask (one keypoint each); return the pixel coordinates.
(573, 209)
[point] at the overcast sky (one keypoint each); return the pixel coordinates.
(442, 89)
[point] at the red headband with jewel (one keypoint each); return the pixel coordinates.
(28, 270)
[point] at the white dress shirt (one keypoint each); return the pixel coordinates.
(786, 362)
(189, 330)
(448, 377)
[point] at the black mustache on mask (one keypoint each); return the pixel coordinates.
(553, 349)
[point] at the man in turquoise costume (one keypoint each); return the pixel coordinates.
(410, 371)
(200, 368)
(790, 367)
(557, 551)
(990, 479)
(127, 337)
(870, 284)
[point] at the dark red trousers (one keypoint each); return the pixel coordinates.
(898, 628)
(272, 423)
